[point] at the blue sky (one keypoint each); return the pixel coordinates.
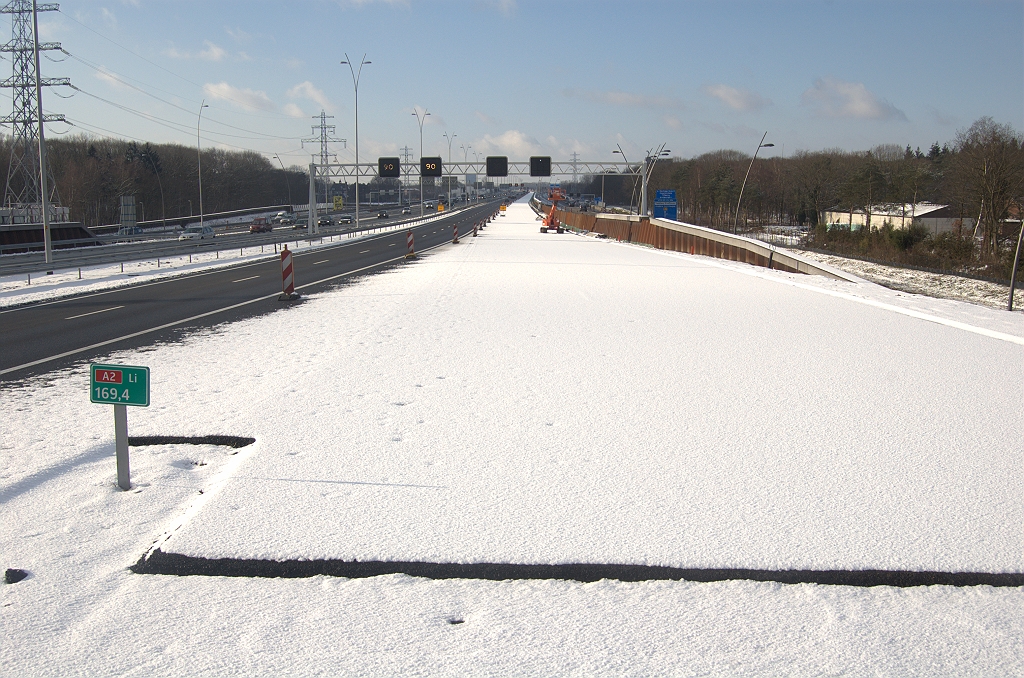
(519, 77)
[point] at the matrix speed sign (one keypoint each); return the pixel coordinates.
(119, 385)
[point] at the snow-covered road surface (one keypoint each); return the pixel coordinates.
(536, 399)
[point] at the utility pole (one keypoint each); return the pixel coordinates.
(575, 159)
(406, 157)
(26, 165)
(324, 134)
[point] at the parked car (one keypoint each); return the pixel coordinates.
(196, 233)
(345, 219)
(260, 225)
(406, 210)
(382, 214)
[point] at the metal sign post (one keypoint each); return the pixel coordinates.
(120, 386)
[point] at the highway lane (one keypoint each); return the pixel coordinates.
(156, 245)
(37, 338)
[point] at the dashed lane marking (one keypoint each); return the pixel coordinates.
(104, 310)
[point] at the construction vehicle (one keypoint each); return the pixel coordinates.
(555, 193)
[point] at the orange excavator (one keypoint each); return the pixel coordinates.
(555, 193)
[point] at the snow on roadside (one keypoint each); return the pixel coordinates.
(987, 293)
(360, 368)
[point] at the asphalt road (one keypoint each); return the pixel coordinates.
(156, 244)
(42, 337)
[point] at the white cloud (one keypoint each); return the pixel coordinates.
(737, 99)
(672, 122)
(374, 148)
(504, 7)
(211, 53)
(246, 98)
(306, 90)
(111, 79)
(239, 35)
(627, 99)
(293, 111)
(108, 17)
(838, 99)
(512, 143)
(360, 3)
(484, 118)
(563, 148)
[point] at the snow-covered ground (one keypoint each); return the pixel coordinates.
(913, 281)
(536, 398)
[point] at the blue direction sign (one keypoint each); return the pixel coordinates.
(665, 205)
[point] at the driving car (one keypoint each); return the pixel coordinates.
(260, 225)
(382, 215)
(345, 219)
(406, 210)
(325, 221)
(196, 233)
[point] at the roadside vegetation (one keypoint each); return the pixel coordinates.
(979, 172)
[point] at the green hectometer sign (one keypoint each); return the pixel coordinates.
(119, 385)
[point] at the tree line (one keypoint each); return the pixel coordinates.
(91, 175)
(980, 173)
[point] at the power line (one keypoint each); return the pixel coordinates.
(166, 70)
(123, 80)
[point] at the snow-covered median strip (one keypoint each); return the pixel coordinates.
(533, 398)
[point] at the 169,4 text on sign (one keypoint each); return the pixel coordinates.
(119, 385)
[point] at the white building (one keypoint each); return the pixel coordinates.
(936, 218)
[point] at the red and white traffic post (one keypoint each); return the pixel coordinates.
(455, 238)
(410, 244)
(287, 276)
(474, 228)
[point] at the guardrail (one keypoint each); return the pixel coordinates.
(157, 250)
(677, 236)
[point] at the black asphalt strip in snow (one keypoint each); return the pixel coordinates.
(159, 562)
(226, 441)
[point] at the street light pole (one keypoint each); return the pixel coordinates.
(450, 140)
(355, 86)
(736, 221)
(199, 155)
(618, 149)
(286, 180)
(649, 161)
(420, 119)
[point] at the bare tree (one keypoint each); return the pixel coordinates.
(989, 166)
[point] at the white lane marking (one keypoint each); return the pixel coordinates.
(251, 277)
(321, 262)
(391, 245)
(82, 315)
(275, 295)
(258, 262)
(364, 251)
